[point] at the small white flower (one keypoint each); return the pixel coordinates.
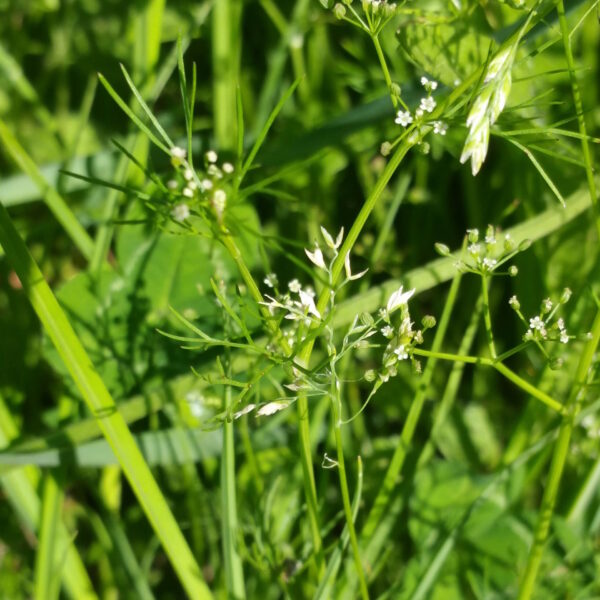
(316, 257)
(271, 408)
(400, 352)
(489, 263)
(514, 302)
(564, 338)
(211, 156)
(398, 298)
(387, 331)
(177, 152)
(403, 118)
(348, 269)
(228, 168)
(427, 104)
(192, 185)
(307, 301)
(206, 184)
(294, 286)
(440, 127)
(536, 323)
(271, 280)
(244, 411)
(180, 212)
(561, 324)
(172, 184)
(418, 113)
(187, 192)
(547, 305)
(474, 249)
(429, 85)
(188, 174)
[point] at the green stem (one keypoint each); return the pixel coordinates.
(486, 315)
(587, 157)
(504, 370)
(559, 457)
(336, 409)
(395, 467)
(234, 574)
(384, 68)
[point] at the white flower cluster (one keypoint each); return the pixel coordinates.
(542, 326)
(487, 107)
(207, 187)
(427, 105)
(485, 256)
(376, 14)
(402, 337)
(298, 303)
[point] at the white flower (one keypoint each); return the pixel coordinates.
(474, 249)
(180, 212)
(489, 263)
(219, 200)
(228, 168)
(398, 298)
(244, 411)
(307, 301)
(429, 85)
(192, 185)
(294, 286)
(387, 331)
(440, 127)
(316, 257)
(206, 184)
(400, 352)
(547, 304)
(564, 338)
(427, 104)
(188, 174)
(188, 192)
(172, 184)
(271, 280)
(329, 240)
(271, 408)
(514, 302)
(214, 171)
(211, 156)
(177, 152)
(403, 118)
(348, 269)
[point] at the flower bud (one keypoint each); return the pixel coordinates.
(473, 235)
(566, 296)
(442, 249)
(370, 375)
(385, 149)
(428, 321)
(339, 10)
(395, 90)
(524, 245)
(513, 271)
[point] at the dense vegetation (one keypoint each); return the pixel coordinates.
(299, 299)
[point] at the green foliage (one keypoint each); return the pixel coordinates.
(228, 352)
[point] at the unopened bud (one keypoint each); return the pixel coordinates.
(395, 90)
(428, 321)
(339, 10)
(513, 271)
(566, 296)
(370, 375)
(442, 249)
(524, 245)
(385, 149)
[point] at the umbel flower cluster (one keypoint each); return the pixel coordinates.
(486, 255)
(299, 316)
(191, 190)
(544, 326)
(427, 105)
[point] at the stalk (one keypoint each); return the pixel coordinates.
(336, 411)
(559, 457)
(585, 149)
(487, 319)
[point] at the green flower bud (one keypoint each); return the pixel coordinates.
(442, 249)
(370, 375)
(513, 271)
(566, 296)
(385, 149)
(428, 322)
(339, 10)
(524, 245)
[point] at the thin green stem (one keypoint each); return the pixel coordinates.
(587, 157)
(234, 574)
(397, 462)
(501, 368)
(384, 68)
(336, 410)
(486, 315)
(559, 457)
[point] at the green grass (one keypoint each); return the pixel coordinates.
(206, 390)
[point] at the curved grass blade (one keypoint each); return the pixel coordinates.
(102, 405)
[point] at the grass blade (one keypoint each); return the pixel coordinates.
(102, 405)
